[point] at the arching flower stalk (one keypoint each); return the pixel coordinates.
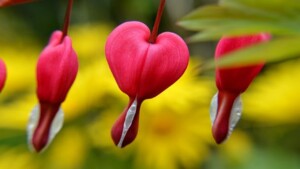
(226, 105)
(3, 74)
(143, 65)
(56, 71)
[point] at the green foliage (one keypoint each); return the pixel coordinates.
(280, 18)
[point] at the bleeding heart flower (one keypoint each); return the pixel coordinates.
(12, 2)
(56, 71)
(231, 82)
(144, 65)
(2, 74)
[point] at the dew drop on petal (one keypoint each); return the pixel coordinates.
(56, 125)
(128, 121)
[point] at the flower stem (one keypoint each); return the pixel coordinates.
(67, 18)
(154, 32)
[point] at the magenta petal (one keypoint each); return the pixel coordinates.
(166, 61)
(143, 69)
(3, 74)
(126, 49)
(237, 79)
(56, 69)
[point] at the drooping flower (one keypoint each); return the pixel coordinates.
(56, 71)
(2, 74)
(169, 124)
(231, 82)
(4, 3)
(144, 65)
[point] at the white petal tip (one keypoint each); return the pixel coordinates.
(56, 125)
(235, 115)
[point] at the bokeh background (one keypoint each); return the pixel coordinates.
(175, 130)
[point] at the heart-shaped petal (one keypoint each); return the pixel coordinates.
(237, 79)
(166, 61)
(143, 69)
(56, 69)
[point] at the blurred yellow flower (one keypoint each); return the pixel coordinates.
(174, 132)
(237, 148)
(274, 96)
(16, 158)
(174, 127)
(18, 96)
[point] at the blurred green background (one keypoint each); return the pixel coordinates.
(175, 130)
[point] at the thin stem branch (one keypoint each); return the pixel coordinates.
(67, 18)
(154, 32)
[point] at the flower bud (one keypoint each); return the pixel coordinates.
(56, 71)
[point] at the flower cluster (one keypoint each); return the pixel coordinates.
(143, 64)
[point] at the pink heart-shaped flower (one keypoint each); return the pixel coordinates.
(143, 69)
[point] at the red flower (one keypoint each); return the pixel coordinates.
(231, 82)
(12, 2)
(56, 71)
(142, 70)
(2, 74)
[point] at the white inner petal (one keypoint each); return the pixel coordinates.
(213, 108)
(32, 123)
(56, 125)
(235, 114)
(128, 121)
